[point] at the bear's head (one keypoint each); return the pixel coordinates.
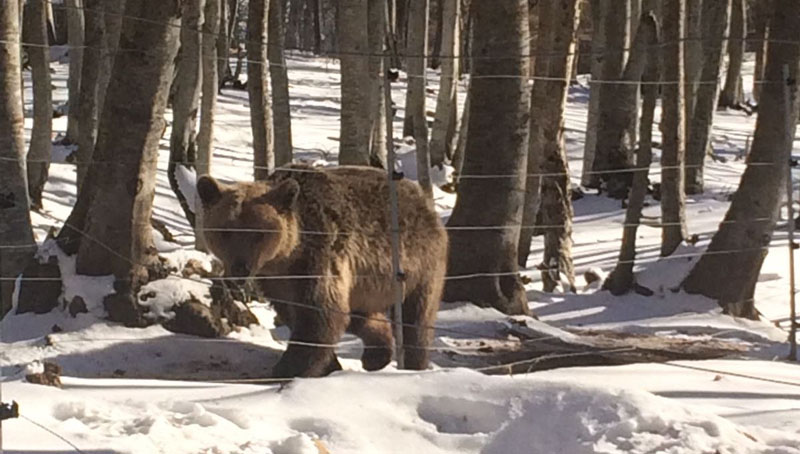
(249, 225)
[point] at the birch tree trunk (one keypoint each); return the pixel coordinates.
(75, 31)
(182, 141)
(441, 147)
(496, 145)
(673, 198)
(416, 46)
(88, 108)
(354, 130)
(716, 17)
(729, 270)
(258, 89)
(279, 77)
(118, 219)
(15, 220)
(732, 96)
(39, 153)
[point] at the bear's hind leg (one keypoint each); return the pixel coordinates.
(419, 316)
(375, 331)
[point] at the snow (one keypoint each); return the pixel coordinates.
(149, 390)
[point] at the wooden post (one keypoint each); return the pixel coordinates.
(790, 211)
(392, 176)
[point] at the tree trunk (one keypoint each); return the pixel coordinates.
(673, 198)
(496, 145)
(622, 280)
(15, 221)
(616, 16)
(376, 30)
(208, 104)
(557, 37)
(258, 89)
(88, 108)
(112, 27)
(118, 219)
(693, 55)
(182, 141)
(222, 42)
(354, 130)
(75, 41)
(729, 270)
(590, 179)
(732, 96)
(716, 16)
(417, 45)
(281, 111)
(461, 143)
(763, 10)
(316, 6)
(620, 113)
(441, 147)
(35, 33)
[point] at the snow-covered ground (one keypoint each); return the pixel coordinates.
(149, 390)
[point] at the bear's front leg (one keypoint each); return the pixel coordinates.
(311, 350)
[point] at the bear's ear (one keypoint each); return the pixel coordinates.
(284, 195)
(208, 189)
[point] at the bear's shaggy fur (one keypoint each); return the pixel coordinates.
(318, 244)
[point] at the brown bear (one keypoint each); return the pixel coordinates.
(318, 244)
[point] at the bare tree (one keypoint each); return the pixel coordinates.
(88, 108)
(417, 48)
(763, 10)
(258, 89)
(15, 220)
(118, 235)
(75, 31)
(496, 145)
(209, 89)
(440, 146)
(673, 198)
(182, 141)
(376, 30)
(732, 95)
(693, 55)
(729, 270)
(35, 33)
(716, 17)
(281, 111)
(113, 11)
(352, 36)
(622, 280)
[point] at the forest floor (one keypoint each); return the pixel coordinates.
(150, 390)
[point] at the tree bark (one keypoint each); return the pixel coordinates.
(35, 33)
(558, 37)
(281, 110)
(112, 27)
(441, 147)
(376, 30)
(763, 10)
(88, 108)
(75, 31)
(417, 45)
(673, 198)
(496, 145)
(622, 280)
(258, 89)
(15, 220)
(732, 96)
(118, 219)
(620, 114)
(222, 42)
(693, 55)
(716, 17)
(354, 130)
(209, 89)
(729, 270)
(616, 17)
(182, 141)
(590, 179)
